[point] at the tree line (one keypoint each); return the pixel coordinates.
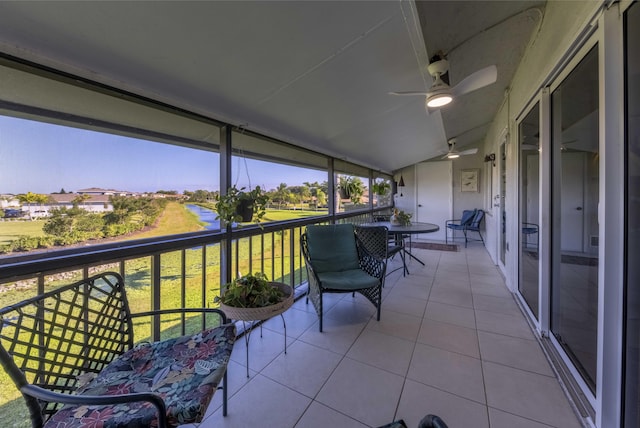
(313, 194)
(66, 226)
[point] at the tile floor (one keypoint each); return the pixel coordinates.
(451, 341)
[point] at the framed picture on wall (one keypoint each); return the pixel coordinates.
(469, 180)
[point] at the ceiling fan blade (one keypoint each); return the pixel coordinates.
(408, 93)
(469, 152)
(477, 80)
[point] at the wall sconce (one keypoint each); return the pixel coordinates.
(401, 184)
(490, 158)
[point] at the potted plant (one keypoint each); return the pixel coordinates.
(239, 205)
(400, 217)
(381, 188)
(253, 297)
(351, 188)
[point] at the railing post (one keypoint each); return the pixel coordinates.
(331, 189)
(183, 286)
(225, 181)
(292, 256)
(155, 295)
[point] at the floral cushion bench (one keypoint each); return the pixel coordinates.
(71, 353)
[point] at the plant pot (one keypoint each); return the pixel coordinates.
(265, 312)
(245, 210)
(344, 194)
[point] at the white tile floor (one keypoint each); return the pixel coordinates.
(451, 341)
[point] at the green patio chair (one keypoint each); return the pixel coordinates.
(338, 262)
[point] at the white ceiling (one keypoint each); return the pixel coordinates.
(314, 73)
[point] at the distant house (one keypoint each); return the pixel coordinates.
(97, 202)
(9, 201)
(105, 192)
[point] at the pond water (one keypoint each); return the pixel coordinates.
(205, 215)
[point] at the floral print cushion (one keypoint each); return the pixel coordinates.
(184, 371)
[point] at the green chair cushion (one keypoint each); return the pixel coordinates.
(332, 248)
(353, 279)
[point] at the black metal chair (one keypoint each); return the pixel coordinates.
(527, 230)
(74, 345)
(377, 241)
(397, 238)
(458, 224)
(429, 421)
(474, 226)
(471, 221)
(338, 262)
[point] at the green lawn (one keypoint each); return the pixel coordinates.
(279, 215)
(12, 230)
(175, 219)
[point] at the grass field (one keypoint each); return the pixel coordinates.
(175, 219)
(12, 230)
(279, 215)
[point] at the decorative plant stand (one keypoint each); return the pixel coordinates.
(260, 314)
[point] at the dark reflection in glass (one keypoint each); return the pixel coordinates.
(574, 252)
(632, 360)
(528, 134)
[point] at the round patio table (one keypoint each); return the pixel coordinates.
(408, 229)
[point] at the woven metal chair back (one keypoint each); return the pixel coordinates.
(58, 339)
(374, 239)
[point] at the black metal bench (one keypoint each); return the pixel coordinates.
(71, 353)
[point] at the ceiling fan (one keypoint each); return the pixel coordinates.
(453, 153)
(441, 94)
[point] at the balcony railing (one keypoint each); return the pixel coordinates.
(179, 271)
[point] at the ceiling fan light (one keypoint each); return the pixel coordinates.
(439, 99)
(453, 156)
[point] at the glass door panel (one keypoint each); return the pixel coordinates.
(503, 205)
(528, 137)
(575, 184)
(632, 358)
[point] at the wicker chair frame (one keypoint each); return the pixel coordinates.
(371, 264)
(50, 342)
(377, 241)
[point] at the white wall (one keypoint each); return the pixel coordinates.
(562, 24)
(468, 200)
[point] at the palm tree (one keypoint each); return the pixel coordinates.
(33, 198)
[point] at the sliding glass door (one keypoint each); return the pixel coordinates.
(529, 143)
(632, 359)
(575, 197)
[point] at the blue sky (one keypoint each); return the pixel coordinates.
(44, 158)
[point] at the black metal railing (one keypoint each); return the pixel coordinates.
(175, 271)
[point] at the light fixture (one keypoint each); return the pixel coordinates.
(401, 184)
(490, 158)
(438, 100)
(453, 155)
(439, 93)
